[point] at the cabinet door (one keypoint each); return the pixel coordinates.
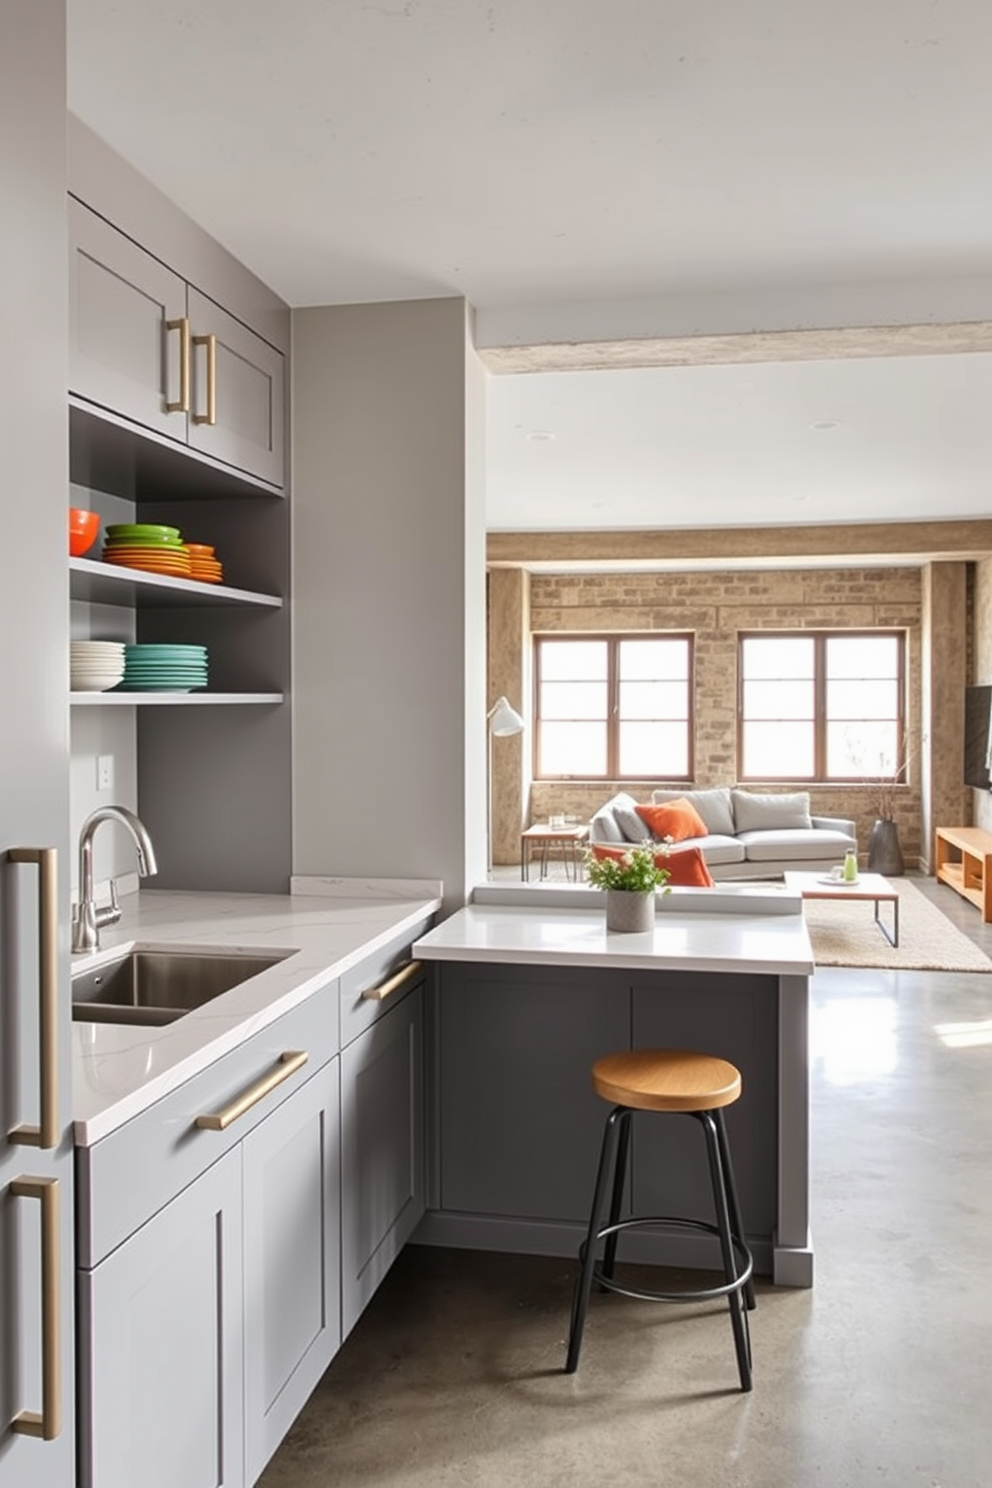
(161, 1382)
(238, 381)
(520, 1125)
(121, 354)
(292, 1321)
(382, 1150)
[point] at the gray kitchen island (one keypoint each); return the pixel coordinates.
(529, 989)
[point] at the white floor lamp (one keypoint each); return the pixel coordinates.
(503, 721)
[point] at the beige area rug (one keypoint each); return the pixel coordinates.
(846, 935)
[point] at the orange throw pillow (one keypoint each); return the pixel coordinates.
(686, 866)
(675, 819)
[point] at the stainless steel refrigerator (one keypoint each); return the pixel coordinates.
(36, 1261)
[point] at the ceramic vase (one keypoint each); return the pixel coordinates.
(884, 852)
(629, 910)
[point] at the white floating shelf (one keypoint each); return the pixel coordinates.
(169, 699)
(106, 583)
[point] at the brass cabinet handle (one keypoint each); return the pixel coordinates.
(289, 1063)
(47, 1423)
(396, 981)
(210, 342)
(47, 1133)
(182, 326)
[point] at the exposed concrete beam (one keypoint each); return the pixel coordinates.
(835, 344)
(865, 544)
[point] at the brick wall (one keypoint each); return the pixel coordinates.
(716, 607)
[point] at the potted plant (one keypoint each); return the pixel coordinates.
(630, 879)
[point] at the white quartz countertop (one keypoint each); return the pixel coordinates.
(544, 933)
(326, 928)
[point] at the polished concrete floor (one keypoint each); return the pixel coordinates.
(881, 1374)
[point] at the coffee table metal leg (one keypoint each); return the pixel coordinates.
(893, 939)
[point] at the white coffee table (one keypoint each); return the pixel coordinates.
(869, 886)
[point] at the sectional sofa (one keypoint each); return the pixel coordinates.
(747, 834)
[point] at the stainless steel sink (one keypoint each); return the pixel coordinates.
(156, 987)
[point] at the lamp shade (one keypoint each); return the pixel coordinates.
(504, 720)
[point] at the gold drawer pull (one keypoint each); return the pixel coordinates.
(46, 1134)
(182, 403)
(289, 1063)
(48, 1423)
(396, 981)
(210, 342)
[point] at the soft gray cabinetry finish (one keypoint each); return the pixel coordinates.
(740, 1017)
(164, 1398)
(292, 1307)
(519, 1123)
(382, 1149)
(34, 775)
(147, 346)
(519, 1127)
(245, 1221)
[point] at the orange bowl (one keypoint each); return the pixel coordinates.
(83, 528)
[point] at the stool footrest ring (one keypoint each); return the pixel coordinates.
(699, 1294)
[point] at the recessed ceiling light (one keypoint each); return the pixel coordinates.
(540, 436)
(822, 424)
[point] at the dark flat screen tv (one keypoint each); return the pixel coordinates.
(977, 723)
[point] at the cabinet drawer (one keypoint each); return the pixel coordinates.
(359, 1010)
(126, 1178)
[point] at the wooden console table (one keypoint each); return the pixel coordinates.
(963, 860)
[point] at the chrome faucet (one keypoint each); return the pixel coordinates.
(88, 920)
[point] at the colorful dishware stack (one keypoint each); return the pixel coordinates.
(203, 563)
(148, 546)
(94, 666)
(160, 668)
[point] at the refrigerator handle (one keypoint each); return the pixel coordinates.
(46, 1423)
(47, 1133)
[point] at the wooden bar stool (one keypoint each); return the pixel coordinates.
(696, 1085)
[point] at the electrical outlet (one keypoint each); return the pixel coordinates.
(104, 772)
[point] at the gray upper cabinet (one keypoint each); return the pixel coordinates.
(149, 347)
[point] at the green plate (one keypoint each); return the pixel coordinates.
(134, 528)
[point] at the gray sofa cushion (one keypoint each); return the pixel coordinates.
(791, 843)
(771, 813)
(713, 805)
(605, 827)
(633, 827)
(717, 848)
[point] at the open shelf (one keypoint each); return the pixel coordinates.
(104, 583)
(165, 699)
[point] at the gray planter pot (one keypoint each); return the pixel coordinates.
(629, 911)
(884, 852)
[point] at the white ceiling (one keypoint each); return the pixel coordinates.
(671, 165)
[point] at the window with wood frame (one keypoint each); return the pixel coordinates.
(613, 707)
(821, 705)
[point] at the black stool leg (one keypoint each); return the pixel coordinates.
(738, 1314)
(580, 1300)
(619, 1174)
(733, 1203)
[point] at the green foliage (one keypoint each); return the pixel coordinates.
(636, 871)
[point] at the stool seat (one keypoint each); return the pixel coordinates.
(666, 1080)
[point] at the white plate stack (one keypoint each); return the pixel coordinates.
(95, 666)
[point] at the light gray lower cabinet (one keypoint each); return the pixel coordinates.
(208, 1237)
(292, 1295)
(163, 1396)
(519, 1122)
(382, 1149)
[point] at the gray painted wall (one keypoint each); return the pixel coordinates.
(388, 593)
